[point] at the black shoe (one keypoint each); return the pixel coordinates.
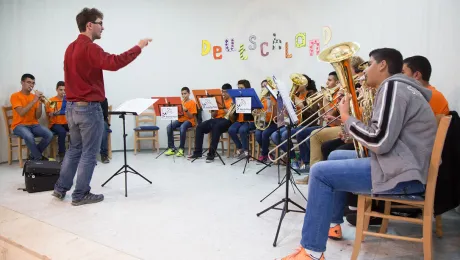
(58, 195)
(60, 157)
(105, 159)
(210, 158)
(194, 156)
(352, 218)
(88, 199)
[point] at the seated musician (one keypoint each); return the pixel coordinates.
(58, 122)
(399, 141)
(243, 125)
(27, 109)
(184, 122)
(216, 126)
(263, 136)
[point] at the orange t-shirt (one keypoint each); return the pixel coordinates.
(302, 97)
(18, 99)
(438, 102)
(268, 114)
(190, 105)
(58, 119)
(221, 113)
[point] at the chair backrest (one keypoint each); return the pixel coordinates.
(148, 117)
(8, 118)
(435, 161)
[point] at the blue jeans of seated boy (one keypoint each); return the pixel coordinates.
(283, 132)
(61, 131)
(86, 127)
(243, 130)
(183, 133)
(105, 140)
(28, 133)
(304, 148)
(330, 182)
(263, 138)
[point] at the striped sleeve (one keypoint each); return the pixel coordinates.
(386, 123)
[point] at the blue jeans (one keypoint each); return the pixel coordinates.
(284, 136)
(304, 148)
(61, 131)
(183, 133)
(28, 133)
(243, 130)
(330, 181)
(86, 125)
(263, 138)
(105, 140)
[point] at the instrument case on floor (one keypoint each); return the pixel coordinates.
(40, 175)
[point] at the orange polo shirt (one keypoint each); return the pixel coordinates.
(19, 99)
(58, 119)
(438, 102)
(190, 105)
(221, 113)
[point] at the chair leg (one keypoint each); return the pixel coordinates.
(384, 226)
(10, 151)
(368, 208)
(359, 227)
(20, 146)
(135, 143)
(427, 234)
(439, 226)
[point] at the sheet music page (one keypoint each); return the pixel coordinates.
(137, 105)
(284, 92)
(169, 113)
(243, 105)
(209, 103)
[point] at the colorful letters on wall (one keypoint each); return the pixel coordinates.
(300, 41)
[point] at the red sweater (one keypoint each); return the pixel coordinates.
(83, 65)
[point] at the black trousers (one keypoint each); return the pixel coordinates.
(215, 126)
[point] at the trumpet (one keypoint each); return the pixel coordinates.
(44, 100)
(230, 112)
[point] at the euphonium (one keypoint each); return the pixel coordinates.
(339, 56)
(260, 119)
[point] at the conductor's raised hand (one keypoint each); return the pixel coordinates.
(144, 42)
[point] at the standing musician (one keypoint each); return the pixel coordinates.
(219, 123)
(263, 136)
(58, 122)
(184, 122)
(243, 125)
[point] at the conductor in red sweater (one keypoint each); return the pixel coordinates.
(84, 62)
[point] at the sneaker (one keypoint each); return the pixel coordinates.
(170, 151)
(180, 152)
(303, 181)
(242, 155)
(373, 221)
(305, 168)
(295, 165)
(194, 156)
(210, 158)
(58, 195)
(105, 159)
(335, 233)
(88, 199)
(301, 254)
(263, 159)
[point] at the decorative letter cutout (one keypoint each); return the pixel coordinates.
(205, 47)
(252, 40)
(301, 40)
(216, 50)
(276, 42)
(232, 48)
(262, 49)
(327, 34)
(286, 51)
(314, 46)
(243, 56)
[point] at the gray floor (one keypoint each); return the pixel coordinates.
(200, 211)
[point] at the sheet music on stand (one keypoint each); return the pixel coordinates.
(273, 92)
(284, 92)
(136, 106)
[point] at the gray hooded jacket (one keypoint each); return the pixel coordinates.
(400, 135)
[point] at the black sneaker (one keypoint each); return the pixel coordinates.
(88, 199)
(373, 221)
(210, 158)
(58, 195)
(194, 156)
(105, 159)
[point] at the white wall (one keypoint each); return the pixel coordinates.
(35, 34)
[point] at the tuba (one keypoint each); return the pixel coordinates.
(339, 56)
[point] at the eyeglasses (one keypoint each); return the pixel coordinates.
(100, 23)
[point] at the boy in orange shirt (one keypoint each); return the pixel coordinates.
(419, 68)
(58, 122)
(27, 109)
(184, 122)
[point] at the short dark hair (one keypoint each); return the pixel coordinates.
(226, 86)
(333, 73)
(245, 83)
(60, 84)
(26, 76)
(186, 89)
(420, 64)
(311, 83)
(87, 15)
(392, 57)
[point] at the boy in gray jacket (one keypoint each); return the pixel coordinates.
(399, 138)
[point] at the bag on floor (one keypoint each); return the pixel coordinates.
(40, 175)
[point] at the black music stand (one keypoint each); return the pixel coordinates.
(125, 167)
(288, 178)
(217, 94)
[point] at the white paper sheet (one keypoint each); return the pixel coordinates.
(243, 105)
(169, 113)
(284, 92)
(209, 103)
(137, 105)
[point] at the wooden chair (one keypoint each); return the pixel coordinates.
(146, 122)
(190, 137)
(252, 144)
(426, 203)
(8, 119)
